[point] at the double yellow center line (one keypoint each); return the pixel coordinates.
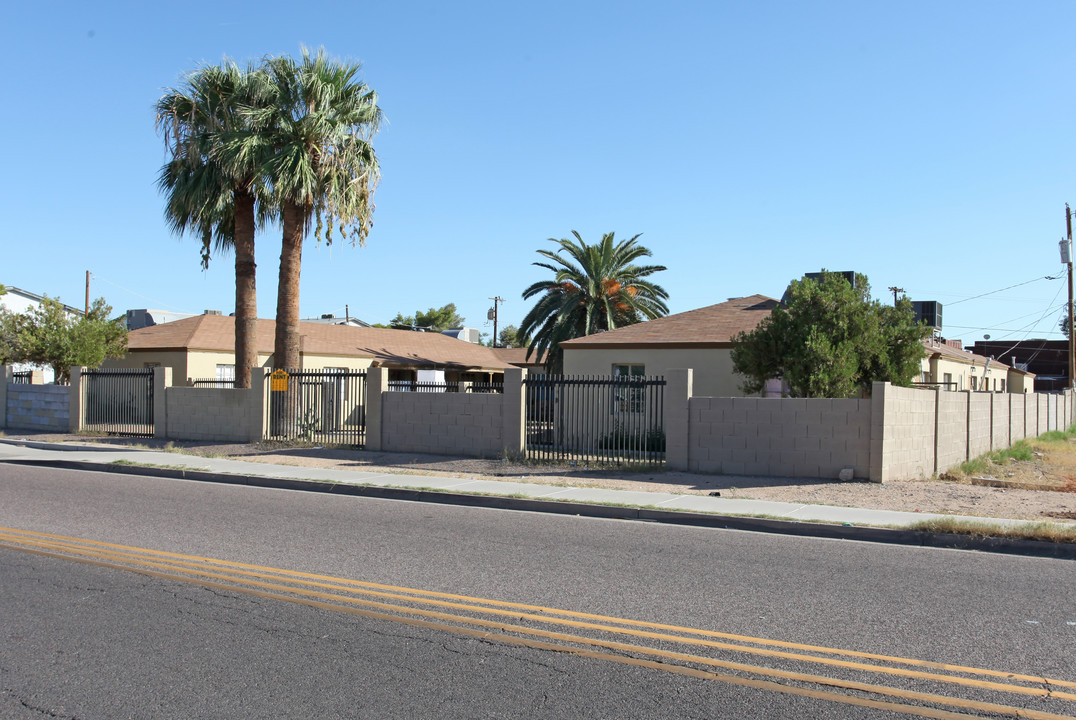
(535, 626)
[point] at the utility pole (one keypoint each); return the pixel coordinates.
(894, 289)
(87, 311)
(1072, 348)
(492, 315)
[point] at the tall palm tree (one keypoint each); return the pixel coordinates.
(213, 180)
(594, 287)
(324, 169)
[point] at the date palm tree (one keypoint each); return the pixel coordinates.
(323, 170)
(213, 182)
(593, 288)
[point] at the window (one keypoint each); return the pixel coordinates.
(948, 378)
(628, 393)
(225, 376)
(974, 383)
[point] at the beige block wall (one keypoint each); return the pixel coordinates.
(903, 419)
(712, 367)
(38, 407)
(1000, 421)
(442, 423)
(952, 440)
(779, 436)
(1043, 414)
(979, 436)
(1017, 417)
(218, 414)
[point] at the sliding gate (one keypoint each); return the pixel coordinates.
(326, 407)
(618, 419)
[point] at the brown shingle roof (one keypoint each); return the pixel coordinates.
(710, 326)
(942, 350)
(518, 356)
(387, 347)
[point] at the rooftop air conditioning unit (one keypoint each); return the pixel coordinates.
(929, 311)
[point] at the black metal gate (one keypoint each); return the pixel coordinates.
(118, 401)
(595, 419)
(320, 406)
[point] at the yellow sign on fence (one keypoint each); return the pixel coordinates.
(278, 381)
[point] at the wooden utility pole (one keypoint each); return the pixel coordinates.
(492, 315)
(1072, 348)
(87, 311)
(894, 289)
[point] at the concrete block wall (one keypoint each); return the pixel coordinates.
(443, 423)
(979, 435)
(951, 443)
(789, 437)
(902, 432)
(1000, 421)
(37, 407)
(215, 414)
(1042, 414)
(1017, 416)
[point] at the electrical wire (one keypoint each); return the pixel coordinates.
(993, 292)
(151, 300)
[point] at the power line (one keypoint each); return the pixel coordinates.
(993, 292)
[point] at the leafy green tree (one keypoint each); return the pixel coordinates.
(323, 169)
(49, 335)
(433, 320)
(213, 182)
(593, 288)
(509, 337)
(831, 340)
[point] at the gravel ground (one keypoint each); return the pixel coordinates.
(935, 496)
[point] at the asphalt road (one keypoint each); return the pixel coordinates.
(170, 636)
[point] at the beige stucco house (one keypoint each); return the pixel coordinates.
(203, 348)
(949, 366)
(702, 340)
(698, 339)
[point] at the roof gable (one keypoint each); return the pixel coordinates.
(216, 333)
(711, 325)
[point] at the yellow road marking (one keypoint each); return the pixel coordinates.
(342, 584)
(145, 557)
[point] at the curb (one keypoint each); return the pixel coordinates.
(1027, 548)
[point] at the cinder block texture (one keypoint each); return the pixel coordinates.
(38, 407)
(217, 414)
(784, 437)
(442, 423)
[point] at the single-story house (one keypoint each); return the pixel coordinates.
(203, 348)
(534, 365)
(702, 340)
(698, 339)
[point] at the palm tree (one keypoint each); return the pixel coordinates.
(594, 288)
(324, 168)
(213, 179)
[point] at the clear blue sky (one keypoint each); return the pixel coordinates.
(928, 145)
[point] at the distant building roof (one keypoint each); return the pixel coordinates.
(711, 326)
(391, 348)
(518, 357)
(35, 298)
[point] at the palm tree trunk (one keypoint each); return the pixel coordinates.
(286, 346)
(246, 297)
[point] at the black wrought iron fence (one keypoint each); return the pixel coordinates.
(325, 407)
(119, 401)
(212, 383)
(22, 377)
(444, 387)
(595, 419)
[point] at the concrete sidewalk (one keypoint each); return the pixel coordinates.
(793, 518)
